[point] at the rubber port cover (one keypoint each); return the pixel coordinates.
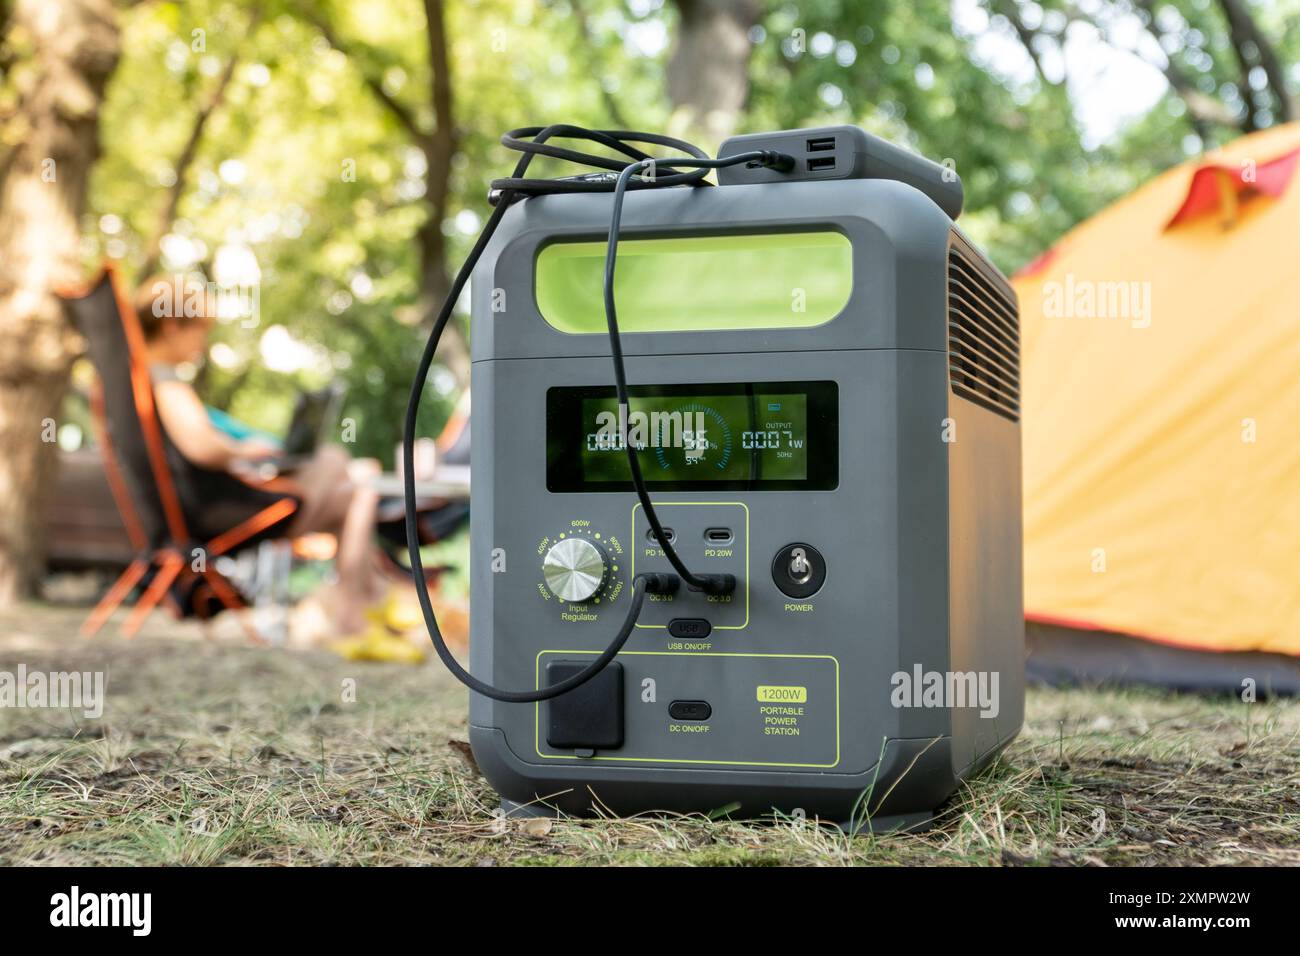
(589, 717)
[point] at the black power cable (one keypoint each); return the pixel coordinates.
(532, 141)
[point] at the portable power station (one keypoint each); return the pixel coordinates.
(822, 376)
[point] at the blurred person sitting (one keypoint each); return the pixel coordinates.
(217, 475)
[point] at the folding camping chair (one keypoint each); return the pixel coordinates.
(135, 455)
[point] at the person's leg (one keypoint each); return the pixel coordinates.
(360, 582)
(338, 498)
(325, 490)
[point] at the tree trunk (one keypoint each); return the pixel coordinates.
(708, 72)
(73, 46)
(439, 147)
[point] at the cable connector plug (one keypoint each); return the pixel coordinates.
(773, 159)
(718, 583)
(659, 582)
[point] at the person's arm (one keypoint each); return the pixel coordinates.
(192, 432)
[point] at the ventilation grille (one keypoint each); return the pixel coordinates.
(983, 335)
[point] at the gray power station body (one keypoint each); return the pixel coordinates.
(850, 361)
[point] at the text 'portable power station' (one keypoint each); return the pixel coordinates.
(823, 376)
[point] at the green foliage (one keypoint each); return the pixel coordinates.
(305, 167)
(903, 71)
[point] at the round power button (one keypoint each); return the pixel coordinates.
(799, 570)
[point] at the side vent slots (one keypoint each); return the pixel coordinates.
(983, 334)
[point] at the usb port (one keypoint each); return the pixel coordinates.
(821, 145)
(821, 162)
(719, 536)
(669, 535)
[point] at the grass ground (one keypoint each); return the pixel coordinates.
(215, 753)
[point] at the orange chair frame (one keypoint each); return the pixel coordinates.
(170, 561)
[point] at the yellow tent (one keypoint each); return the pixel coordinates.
(1161, 387)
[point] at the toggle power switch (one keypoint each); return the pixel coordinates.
(799, 570)
(800, 567)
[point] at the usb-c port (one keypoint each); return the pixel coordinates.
(821, 162)
(822, 145)
(719, 536)
(669, 535)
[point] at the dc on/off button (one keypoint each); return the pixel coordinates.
(690, 710)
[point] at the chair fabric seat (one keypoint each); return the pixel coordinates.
(215, 501)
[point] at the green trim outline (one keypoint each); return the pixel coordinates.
(537, 711)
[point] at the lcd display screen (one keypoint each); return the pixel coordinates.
(762, 435)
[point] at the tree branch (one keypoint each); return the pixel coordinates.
(1243, 32)
(589, 44)
(6, 55)
(167, 216)
(1202, 109)
(400, 110)
(438, 146)
(1026, 34)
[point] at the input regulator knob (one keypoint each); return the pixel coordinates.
(575, 569)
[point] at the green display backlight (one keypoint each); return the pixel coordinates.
(699, 438)
(764, 281)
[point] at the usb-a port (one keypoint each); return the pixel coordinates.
(823, 144)
(821, 162)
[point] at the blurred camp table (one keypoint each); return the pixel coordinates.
(449, 482)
